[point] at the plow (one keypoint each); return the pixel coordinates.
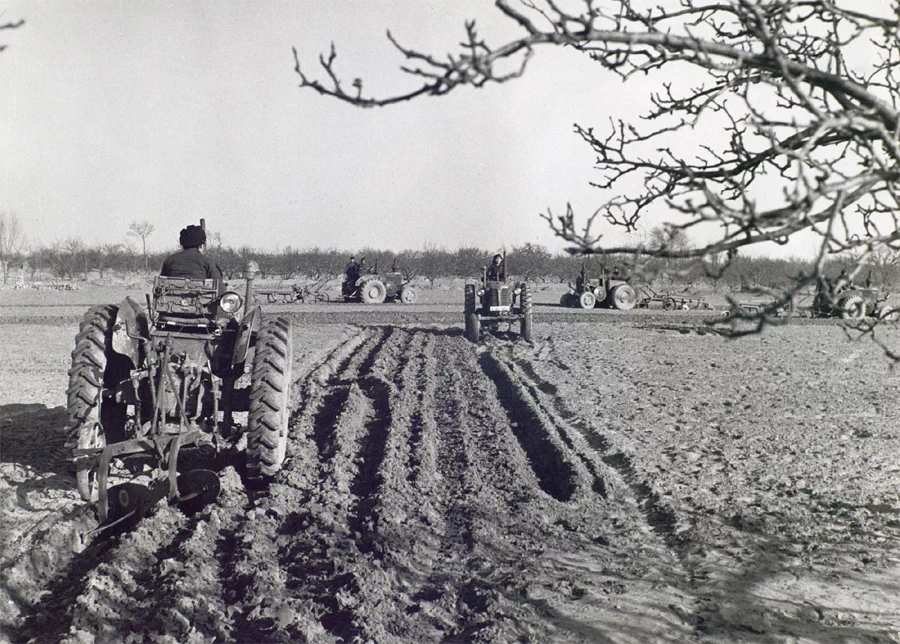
(296, 293)
(670, 301)
(153, 393)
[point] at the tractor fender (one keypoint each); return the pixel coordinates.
(130, 330)
(249, 325)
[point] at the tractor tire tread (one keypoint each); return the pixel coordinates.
(269, 416)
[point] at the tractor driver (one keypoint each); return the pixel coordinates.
(497, 271)
(190, 262)
(352, 270)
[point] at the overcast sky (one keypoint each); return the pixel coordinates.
(171, 111)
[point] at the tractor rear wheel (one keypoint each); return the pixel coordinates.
(587, 300)
(93, 419)
(270, 397)
(623, 297)
(527, 305)
(852, 307)
(408, 295)
(473, 327)
(372, 292)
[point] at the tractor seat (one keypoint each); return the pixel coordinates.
(184, 297)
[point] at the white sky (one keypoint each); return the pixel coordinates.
(171, 111)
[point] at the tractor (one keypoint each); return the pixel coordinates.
(849, 302)
(496, 302)
(608, 291)
(158, 388)
(372, 287)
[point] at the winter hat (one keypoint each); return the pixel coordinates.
(192, 237)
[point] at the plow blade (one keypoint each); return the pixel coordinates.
(196, 489)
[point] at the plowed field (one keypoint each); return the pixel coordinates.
(618, 480)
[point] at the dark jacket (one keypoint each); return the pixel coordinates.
(496, 273)
(193, 264)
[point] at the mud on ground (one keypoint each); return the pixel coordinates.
(615, 481)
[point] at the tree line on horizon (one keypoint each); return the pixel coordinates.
(74, 259)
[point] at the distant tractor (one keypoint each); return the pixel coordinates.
(496, 302)
(850, 302)
(374, 287)
(608, 291)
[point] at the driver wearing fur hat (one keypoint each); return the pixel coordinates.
(190, 262)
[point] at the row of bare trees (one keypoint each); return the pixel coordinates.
(73, 259)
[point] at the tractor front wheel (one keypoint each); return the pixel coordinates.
(587, 300)
(527, 305)
(270, 397)
(373, 292)
(473, 327)
(408, 295)
(93, 419)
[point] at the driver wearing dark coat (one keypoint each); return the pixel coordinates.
(190, 262)
(496, 271)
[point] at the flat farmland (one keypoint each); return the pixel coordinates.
(624, 478)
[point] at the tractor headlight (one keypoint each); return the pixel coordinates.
(230, 302)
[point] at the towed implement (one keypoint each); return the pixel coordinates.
(158, 389)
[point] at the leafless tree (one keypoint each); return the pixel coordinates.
(142, 229)
(797, 100)
(11, 241)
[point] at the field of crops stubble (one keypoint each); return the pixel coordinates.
(625, 478)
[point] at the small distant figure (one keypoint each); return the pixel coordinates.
(190, 262)
(497, 270)
(352, 270)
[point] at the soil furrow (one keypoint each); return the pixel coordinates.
(538, 390)
(365, 485)
(556, 474)
(659, 515)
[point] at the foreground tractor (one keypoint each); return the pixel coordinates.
(375, 288)
(606, 291)
(494, 303)
(157, 388)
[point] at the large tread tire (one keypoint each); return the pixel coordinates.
(408, 295)
(587, 300)
(471, 299)
(90, 422)
(373, 292)
(270, 398)
(527, 306)
(852, 307)
(473, 327)
(623, 297)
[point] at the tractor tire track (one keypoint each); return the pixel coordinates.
(659, 515)
(348, 418)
